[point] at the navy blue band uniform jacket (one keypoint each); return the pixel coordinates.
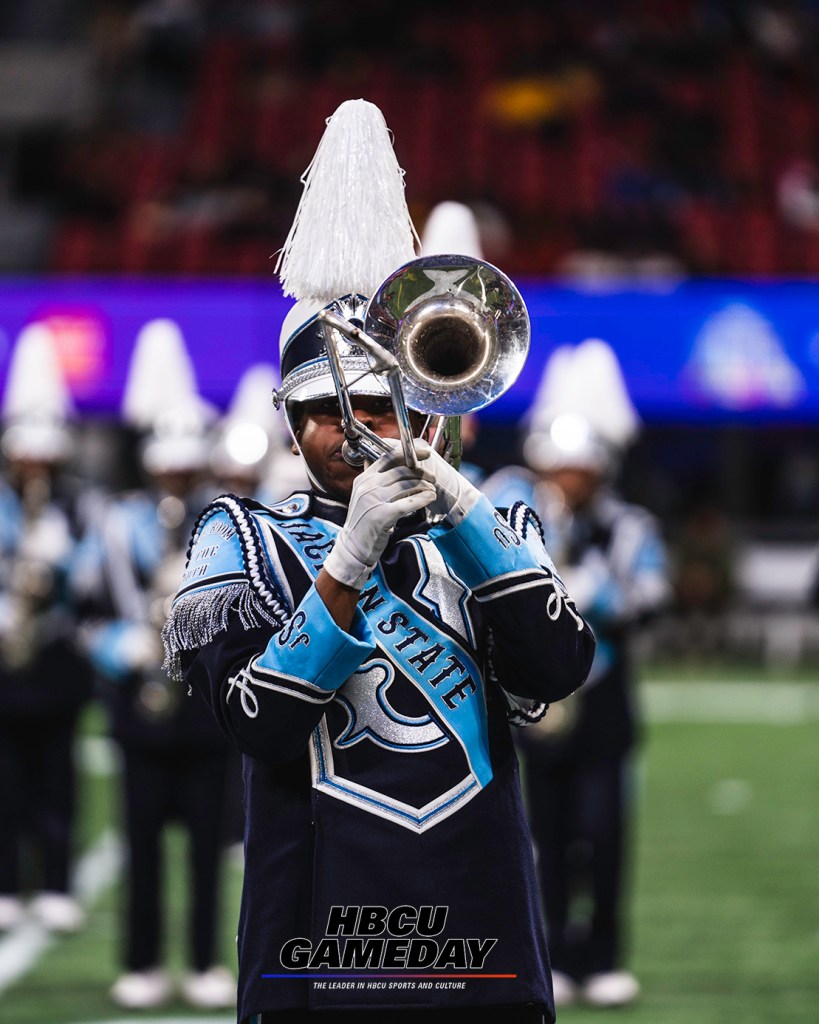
(386, 836)
(613, 559)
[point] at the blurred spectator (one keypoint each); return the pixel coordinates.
(797, 194)
(234, 200)
(692, 92)
(686, 149)
(624, 244)
(777, 29)
(270, 20)
(578, 761)
(157, 71)
(44, 680)
(76, 175)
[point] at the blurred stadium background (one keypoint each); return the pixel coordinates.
(649, 174)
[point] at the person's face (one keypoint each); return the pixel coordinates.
(578, 486)
(320, 438)
(24, 471)
(179, 483)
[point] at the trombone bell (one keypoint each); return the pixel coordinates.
(458, 328)
(450, 334)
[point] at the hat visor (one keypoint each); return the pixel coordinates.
(314, 380)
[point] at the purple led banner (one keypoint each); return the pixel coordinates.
(705, 351)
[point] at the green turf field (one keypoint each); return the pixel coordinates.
(726, 888)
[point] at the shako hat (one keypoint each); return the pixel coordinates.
(351, 230)
(582, 416)
(250, 428)
(37, 404)
(162, 400)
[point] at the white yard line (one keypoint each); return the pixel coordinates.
(95, 872)
(20, 950)
(740, 702)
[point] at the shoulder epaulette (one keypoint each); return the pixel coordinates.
(226, 571)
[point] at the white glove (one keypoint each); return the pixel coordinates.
(455, 496)
(385, 492)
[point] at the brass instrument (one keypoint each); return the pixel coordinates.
(450, 334)
(31, 576)
(158, 696)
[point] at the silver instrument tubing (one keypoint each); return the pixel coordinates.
(450, 335)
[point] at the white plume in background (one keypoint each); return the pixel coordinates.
(451, 228)
(582, 414)
(36, 386)
(253, 398)
(161, 396)
(36, 403)
(587, 381)
(608, 406)
(352, 227)
(251, 426)
(555, 383)
(160, 373)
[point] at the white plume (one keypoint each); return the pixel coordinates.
(160, 374)
(352, 227)
(252, 400)
(549, 400)
(586, 381)
(451, 228)
(36, 385)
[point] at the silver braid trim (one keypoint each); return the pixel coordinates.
(320, 368)
(521, 712)
(199, 616)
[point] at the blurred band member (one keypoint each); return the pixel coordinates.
(174, 758)
(252, 457)
(578, 763)
(44, 681)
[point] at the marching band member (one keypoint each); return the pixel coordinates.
(174, 760)
(44, 680)
(252, 456)
(365, 643)
(579, 760)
